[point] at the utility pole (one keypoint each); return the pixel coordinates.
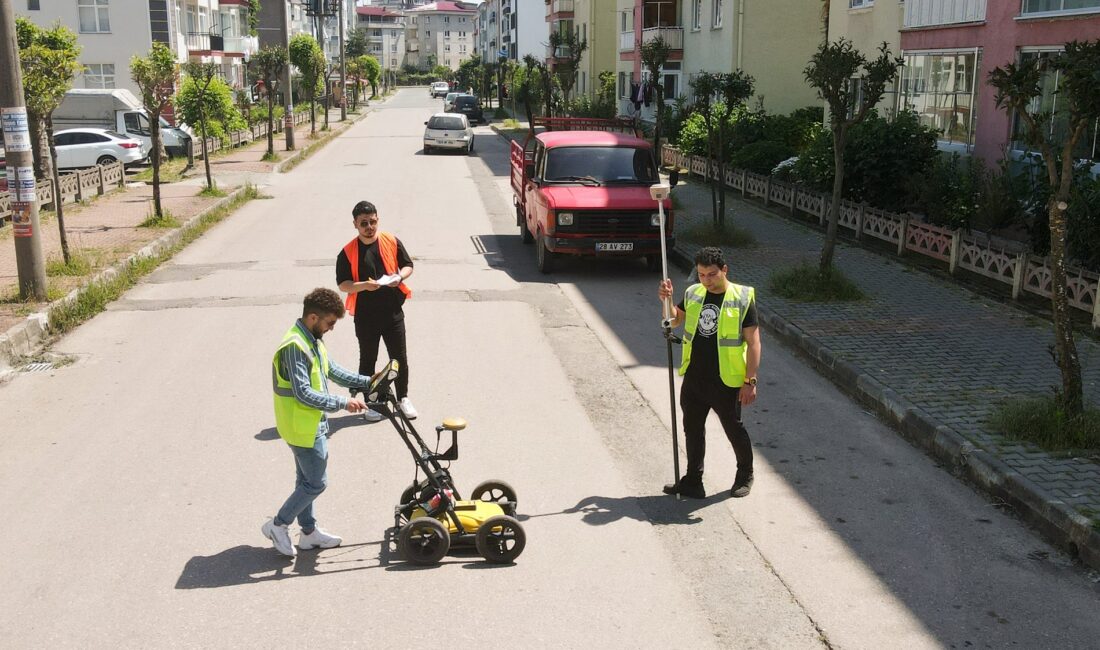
(343, 65)
(20, 162)
(288, 87)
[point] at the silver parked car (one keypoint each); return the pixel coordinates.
(87, 147)
(448, 131)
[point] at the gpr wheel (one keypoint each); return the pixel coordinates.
(494, 492)
(423, 541)
(500, 539)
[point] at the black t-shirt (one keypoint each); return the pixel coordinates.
(704, 346)
(383, 304)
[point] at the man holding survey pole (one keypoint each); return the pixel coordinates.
(372, 270)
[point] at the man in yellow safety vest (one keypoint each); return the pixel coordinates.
(720, 357)
(300, 372)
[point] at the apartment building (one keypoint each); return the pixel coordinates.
(110, 32)
(385, 30)
(868, 24)
(951, 46)
(440, 33)
(593, 21)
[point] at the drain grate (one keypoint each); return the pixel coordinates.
(37, 367)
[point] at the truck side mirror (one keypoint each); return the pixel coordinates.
(674, 177)
(529, 169)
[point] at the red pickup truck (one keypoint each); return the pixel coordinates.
(582, 188)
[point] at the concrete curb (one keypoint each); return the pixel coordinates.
(24, 339)
(1054, 518)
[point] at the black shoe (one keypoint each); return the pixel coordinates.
(742, 485)
(688, 487)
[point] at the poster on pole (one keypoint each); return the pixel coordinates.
(17, 134)
(21, 219)
(21, 184)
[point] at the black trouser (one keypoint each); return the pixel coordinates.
(697, 399)
(393, 333)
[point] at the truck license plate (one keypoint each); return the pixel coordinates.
(617, 246)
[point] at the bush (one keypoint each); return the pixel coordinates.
(805, 283)
(258, 114)
(761, 157)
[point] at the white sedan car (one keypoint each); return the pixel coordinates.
(448, 131)
(86, 147)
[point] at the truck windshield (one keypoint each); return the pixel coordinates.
(607, 165)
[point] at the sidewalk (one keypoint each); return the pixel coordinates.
(934, 358)
(108, 230)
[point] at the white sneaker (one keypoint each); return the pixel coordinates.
(318, 539)
(279, 536)
(407, 408)
(370, 415)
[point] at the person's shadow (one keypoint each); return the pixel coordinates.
(252, 564)
(657, 509)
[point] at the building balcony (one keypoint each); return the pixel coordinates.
(560, 52)
(934, 13)
(558, 7)
(673, 36)
(242, 45)
(626, 41)
(203, 42)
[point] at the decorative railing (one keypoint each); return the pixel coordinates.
(673, 36)
(626, 41)
(908, 234)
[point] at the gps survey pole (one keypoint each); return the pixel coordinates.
(659, 193)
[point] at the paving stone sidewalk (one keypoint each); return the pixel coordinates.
(949, 351)
(107, 229)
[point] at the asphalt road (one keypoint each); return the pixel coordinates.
(135, 480)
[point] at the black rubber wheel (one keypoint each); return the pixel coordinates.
(427, 150)
(524, 233)
(470, 148)
(423, 541)
(106, 160)
(544, 257)
(410, 492)
(501, 539)
(493, 492)
(653, 263)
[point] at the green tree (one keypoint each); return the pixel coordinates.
(269, 63)
(306, 55)
(734, 89)
(655, 55)
(155, 76)
(468, 73)
(441, 71)
(568, 48)
(851, 85)
(372, 70)
(1018, 88)
(527, 86)
(206, 101)
(356, 44)
(49, 60)
(253, 16)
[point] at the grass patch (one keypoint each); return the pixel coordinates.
(212, 192)
(510, 123)
(165, 220)
(79, 264)
(270, 157)
(171, 171)
(97, 295)
(707, 234)
(1044, 422)
(805, 283)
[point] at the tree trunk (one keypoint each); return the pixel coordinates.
(839, 142)
(40, 148)
(716, 218)
(205, 153)
(154, 131)
(270, 120)
(312, 115)
(1065, 350)
(58, 202)
(719, 182)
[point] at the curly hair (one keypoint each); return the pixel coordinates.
(710, 256)
(322, 302)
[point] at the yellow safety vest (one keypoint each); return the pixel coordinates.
(732, 349)
(296, 422)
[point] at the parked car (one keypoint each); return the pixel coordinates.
(89, 147)
(448, 131)
(449, 102)
(470, 106)
(439, 89)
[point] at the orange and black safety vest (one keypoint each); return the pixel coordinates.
(387, 249)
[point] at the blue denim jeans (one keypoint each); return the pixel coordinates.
(310, 464)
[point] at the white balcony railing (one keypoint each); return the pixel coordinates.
(626, 41)
(674, 36)
(557, 6)
(244, 44)
(929, 13)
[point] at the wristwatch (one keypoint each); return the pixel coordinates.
(751, 381)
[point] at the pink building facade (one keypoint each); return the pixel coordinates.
(951, 46)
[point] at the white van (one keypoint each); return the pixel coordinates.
(116, 109)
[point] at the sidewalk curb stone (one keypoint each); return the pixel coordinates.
(1056, 520)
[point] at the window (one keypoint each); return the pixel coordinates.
(696, 13)
(427, 20)
(447, 34)
(94, 16)
(447, 47)
(447, 20)
(99, 75)
(1049, 103)
(427, 34)
(1059, 6)
(859, 4)
(943, 90)
(624, 86)
(393, 63)
(33, 5)
(716, 13)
